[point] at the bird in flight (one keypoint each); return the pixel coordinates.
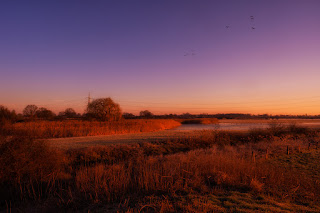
(253, 25)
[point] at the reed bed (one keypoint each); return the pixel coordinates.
(73, 128)
(210, 171)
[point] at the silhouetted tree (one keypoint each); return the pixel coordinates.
(127, 115)
(104, 109)
(187, 115)
(70, 113)
(146, 114)
(30, 111)
(44, 113)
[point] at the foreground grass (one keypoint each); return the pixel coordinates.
(74, 128)
(210, 171)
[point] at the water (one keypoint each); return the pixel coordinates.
(223, 126)
(236, 126)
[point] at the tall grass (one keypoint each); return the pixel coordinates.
(58, 129)
(198, 170)
(29, 168)
(124, 175)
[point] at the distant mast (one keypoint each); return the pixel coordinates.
(89, 98)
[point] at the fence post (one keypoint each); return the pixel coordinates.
(267, 154)
(287, 150)
(253, 157)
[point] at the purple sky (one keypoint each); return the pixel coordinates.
(52, 53)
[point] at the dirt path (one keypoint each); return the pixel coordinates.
(81, 142)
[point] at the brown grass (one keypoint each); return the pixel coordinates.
(210, 171)
(59, 129)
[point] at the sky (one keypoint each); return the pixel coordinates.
(168, 56)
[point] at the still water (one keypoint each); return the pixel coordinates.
(238, 126)
(223, 126)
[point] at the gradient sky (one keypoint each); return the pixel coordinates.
(53, 53)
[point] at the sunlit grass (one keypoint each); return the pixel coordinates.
(59, 129)
(209, 171)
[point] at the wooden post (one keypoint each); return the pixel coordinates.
(287, 150)
(267, 154)
(299, 149)
(309, 146)
(253, 157)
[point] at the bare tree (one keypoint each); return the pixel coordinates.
(104, 109)
(70, 113)
(44, 113)
(128, 115)
(30, 111)
(146, 114)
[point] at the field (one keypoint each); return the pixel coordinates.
(272, 170)
(103, 140)
(74, 128)
(178, 132)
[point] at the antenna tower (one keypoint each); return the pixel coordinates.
(89, 99)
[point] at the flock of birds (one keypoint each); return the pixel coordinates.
(193, 53)
(252, 24)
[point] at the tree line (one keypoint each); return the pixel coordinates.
(105, 109)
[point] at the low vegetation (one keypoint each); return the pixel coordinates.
(273, 170)
(74, 128)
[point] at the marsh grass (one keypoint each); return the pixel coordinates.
(74, 128)
(208, 171)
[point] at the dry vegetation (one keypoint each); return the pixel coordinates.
(74, 128)
(274, 170)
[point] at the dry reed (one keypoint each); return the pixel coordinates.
(124, 176)
(73, 128)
